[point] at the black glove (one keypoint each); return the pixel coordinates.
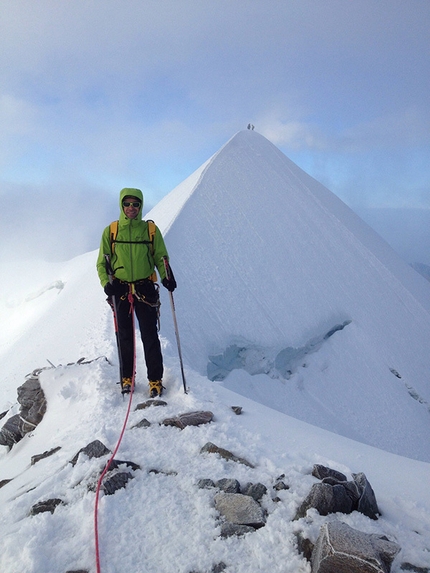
(114, 289)
(169, 282)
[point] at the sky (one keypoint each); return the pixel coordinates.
(96, 96)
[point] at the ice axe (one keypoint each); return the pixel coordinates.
(175, 322)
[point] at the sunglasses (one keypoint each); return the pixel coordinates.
(135, 204)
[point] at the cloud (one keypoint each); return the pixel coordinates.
(293, 134)
(18, 120)
(109, 94)
(405, 128)
(52, 223)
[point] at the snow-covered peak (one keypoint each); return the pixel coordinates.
(269, 262)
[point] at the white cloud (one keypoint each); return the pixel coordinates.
(107, 91)
(292, 134)
(19, 120)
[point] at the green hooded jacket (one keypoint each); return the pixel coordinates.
(132, 259)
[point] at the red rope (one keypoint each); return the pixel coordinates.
(106, 469)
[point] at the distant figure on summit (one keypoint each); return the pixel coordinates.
(130, 250)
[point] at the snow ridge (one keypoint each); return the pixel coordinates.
(267, 258)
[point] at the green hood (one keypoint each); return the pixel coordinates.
(132, 259)
(130, 192)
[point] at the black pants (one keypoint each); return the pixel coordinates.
(147, 317)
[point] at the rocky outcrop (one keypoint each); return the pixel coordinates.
(118, 473)
(95, 449)
(211, 448)
(240, 509)
(342, 549)
(46, 506)
(37, 457)
(148, 403)
(335, 494)
(33, 407)
(189, 419)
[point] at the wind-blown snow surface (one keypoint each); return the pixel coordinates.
(270, 263)
(333, 295)
(162, 522)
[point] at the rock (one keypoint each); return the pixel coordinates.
(115, 482)
(163, 472)
(205, 484)
(33, 408)
(116, 464)
(44, 506)
(338, 495)
(11, 432)
(4, 482)
(326, 499)
(149, 403)
(240, 509)
(342, 549)
(211, 448)
(189, 419)
(280, 485)
(229, 529)
(237, 410)
(33, 401)
(218, 567)
(304, 545)
(116, 478)
(322, 472)
(36, 458)
(142, 424)
(95, 449)
(228, 485)
(367, 502)
(255, 490)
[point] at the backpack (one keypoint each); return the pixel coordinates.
(151, 230)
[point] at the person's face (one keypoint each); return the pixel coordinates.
(131, 207)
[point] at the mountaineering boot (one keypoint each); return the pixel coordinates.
(155, 388)
(126, 385)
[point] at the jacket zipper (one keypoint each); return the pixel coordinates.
(131, 254)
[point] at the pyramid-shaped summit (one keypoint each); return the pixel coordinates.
(284, 293)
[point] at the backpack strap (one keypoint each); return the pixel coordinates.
(113, 232)
(151, 232)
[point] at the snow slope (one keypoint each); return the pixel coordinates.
(269, 263)
(161, 522)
